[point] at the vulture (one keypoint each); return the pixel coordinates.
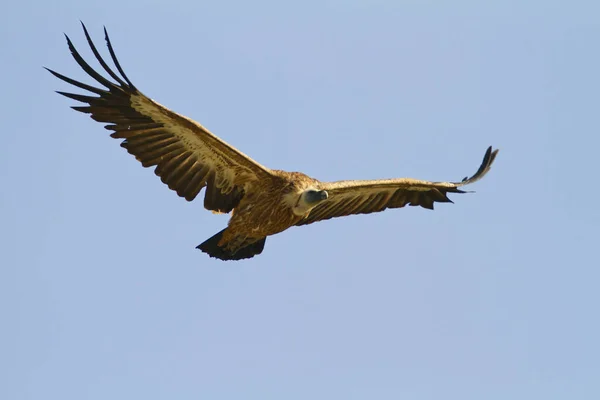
(262, 201)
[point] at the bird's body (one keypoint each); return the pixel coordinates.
(268, 208)
(263, 202)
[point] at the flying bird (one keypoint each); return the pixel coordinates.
(262, 201)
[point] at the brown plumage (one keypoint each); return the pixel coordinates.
(263, 202)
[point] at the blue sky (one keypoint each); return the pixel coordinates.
(102, 294)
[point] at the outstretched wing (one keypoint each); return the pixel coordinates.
(364, 197)
(186, 155)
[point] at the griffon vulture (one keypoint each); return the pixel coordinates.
(262, 201)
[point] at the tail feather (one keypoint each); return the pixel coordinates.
(245, 250)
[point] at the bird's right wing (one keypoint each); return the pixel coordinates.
(364, 197)
(186, 155)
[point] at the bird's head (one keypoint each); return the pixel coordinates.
(313, 197)
(309, 199)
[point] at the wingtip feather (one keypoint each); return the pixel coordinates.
(486, 164)
(115, 60)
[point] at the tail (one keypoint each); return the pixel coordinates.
(233, 250)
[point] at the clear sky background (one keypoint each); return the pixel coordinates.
(103, 295)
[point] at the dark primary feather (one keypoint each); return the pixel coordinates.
(101, 60)
(488, 160)
(114, 57)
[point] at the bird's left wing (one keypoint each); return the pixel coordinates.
(364, 197)
(186, 155)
